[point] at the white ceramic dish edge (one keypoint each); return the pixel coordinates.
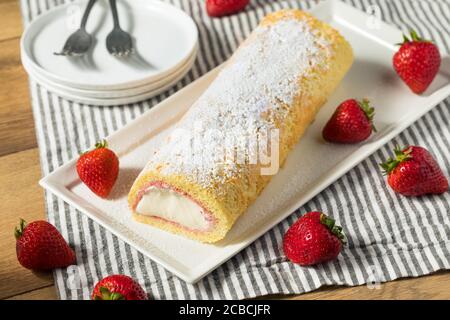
(114, 97)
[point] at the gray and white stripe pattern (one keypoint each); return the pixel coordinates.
(389, 236)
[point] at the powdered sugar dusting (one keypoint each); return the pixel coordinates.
(252, 94)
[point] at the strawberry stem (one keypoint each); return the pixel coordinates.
(18, 231)
(106, 294)
(101, 144)
(414, 37)
(369, 111)
(335, 229)
(98, 145)
(400, 156)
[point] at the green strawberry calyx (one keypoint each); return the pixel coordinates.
(334, 229)
(106, 294)
(364, 104)
(98, 145)
(400, 156)
(18, 231)
(101, 144)
(414, 38)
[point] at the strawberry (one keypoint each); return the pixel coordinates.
(350, 123)
(99, 169)
(40, 246)
(118, 287)
(313, 238)
(417, 62)
(414, 172)
(219, 8)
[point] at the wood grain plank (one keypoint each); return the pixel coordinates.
(430, 287)
(47, 293)
(11, 22)
(16, 117)
(19, 174)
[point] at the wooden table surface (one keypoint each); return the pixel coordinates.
(22, 197)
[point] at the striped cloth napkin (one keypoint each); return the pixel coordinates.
(389, 236)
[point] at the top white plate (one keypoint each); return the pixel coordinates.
(164, 38)
(301, 178)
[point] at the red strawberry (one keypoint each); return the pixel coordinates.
(219, 8)
(118, 287)
(313, 239)
(40, 246)
(99, 169)
(417, 62)
(350, 123)
(414, 172)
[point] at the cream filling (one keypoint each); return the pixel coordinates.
(172, 206)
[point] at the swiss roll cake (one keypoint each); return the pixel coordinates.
(229, 144)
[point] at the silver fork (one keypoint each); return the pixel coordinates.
(118, 42)
(80, 41)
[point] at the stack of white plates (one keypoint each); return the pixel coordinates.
(165, 41)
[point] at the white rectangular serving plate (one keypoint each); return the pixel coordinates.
(310, 167)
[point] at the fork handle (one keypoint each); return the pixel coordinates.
(86, 13)
(114, 13)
